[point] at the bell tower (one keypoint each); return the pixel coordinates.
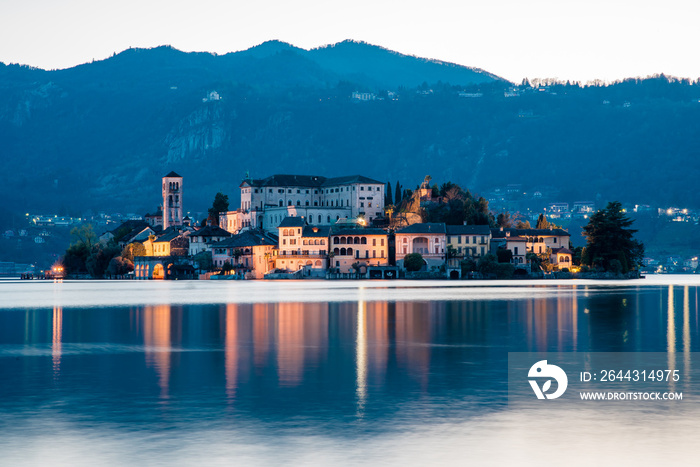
(172, 200)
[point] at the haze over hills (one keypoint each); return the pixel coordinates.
(100, 135)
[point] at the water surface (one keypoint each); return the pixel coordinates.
(312, 373)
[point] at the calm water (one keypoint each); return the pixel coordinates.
(318, 373)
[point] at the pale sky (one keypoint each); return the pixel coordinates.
(566, 39)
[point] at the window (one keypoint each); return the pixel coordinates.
(270, 190)
(319, 219)
(280, 190)
(316, 204)
(281, 203)
(362, 205)
(369, 205)
(298, 203)
(307, 192)
(362, 188)
(329, 219)
(366, 253)
(555, 238)
(284, 241)
(382, 243)
(289, 202)
(374, 253)
(515, 250)
(449, 239)
(289, 190)
(364, 240)
(298, 191)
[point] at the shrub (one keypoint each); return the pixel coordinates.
(413, 262)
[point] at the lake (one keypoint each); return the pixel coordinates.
(334, 372)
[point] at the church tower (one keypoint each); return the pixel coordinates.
(172, 200)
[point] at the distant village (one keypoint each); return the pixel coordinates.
(305, 226)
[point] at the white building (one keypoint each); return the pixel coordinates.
(319, 200)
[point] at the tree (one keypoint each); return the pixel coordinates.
(503, 220)
(609, 239)
(119, 266)
(413, 262)
(133, 249)
(388, 200)
(99, 259)
(535, 261)
(523, 225)
(84, 234)
(75, 257)
(219, 205)
(504, 255)
(204, 260)
(542, 222)
(487, 265)
(397, 197)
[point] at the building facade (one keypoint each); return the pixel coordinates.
(428, 239)
(172, 200)
(265, 203)
(366, 247)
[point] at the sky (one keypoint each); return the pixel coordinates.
(565, 39)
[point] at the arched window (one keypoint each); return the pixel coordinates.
(281, 203)
(319, 219)
(315, 203)
(364, 240)
(336, 251)
(329, 219)
(343, 252)
(289, 202)
(307, 203)
(336, 240)
(298, 203)
(343, 240)
(405, 239)
(337, 217)
(349, 251)
(285, 232)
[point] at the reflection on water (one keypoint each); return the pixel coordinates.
(322, 373)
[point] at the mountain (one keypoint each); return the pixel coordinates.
(100, 135)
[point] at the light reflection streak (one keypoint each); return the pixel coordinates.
(57, 339)
(361, 358)
(157, 340)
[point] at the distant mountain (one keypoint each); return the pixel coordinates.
(100, 135)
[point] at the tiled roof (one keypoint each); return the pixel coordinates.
(428, 227)
(468, 230)
(316, 231)
(247, 238)
(293, 222)
(347, 180)
(211, 231)
(168, 236)
(562, 250)
(172, 174)
(308, 181)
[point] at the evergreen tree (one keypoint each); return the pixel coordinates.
(398, 198)
(388, 201)
(219, 205)
(610, 242)
(542, 222)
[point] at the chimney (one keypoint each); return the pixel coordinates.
(501, 228)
